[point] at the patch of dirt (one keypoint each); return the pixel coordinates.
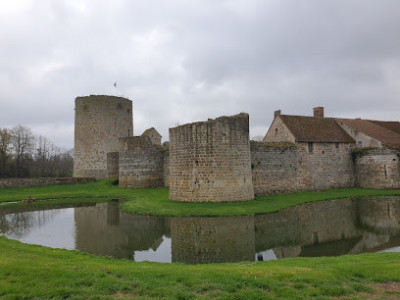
(387, 290)
(390, 286)
(121, 295)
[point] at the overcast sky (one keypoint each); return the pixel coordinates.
(182, 61)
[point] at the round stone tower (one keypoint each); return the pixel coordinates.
(210, 161)
(99, 123)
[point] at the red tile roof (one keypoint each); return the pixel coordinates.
(316, 129)
(393, 126)
(388, 133)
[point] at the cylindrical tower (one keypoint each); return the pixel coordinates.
(99, 123)
(210, 161)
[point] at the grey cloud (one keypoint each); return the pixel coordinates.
(184, 61)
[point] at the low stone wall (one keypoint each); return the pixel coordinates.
(28, 182)
(377, 168)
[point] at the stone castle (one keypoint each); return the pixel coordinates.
(216, 161)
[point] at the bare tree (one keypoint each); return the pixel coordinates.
(22, 154)
(22, 141)
(5, 150)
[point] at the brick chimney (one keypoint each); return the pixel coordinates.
(319, 112)
(277, 113)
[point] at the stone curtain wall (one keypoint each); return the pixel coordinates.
(275, 168)
(210, 161)
(27, 182)
(329, 165)
(377, 168)
(279, 168)
(99, 122)
(166, 167)
(141, 165)
(212, 239)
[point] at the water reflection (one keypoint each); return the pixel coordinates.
(319, 229)
(331, 228)
(106, 230)
(210, 240)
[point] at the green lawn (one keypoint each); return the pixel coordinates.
(35, 272)
(155, 201)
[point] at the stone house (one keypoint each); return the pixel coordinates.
(319, 159)
(154, 136)
(333, 152)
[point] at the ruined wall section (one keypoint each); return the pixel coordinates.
(279, 168)
(377, 168)
(99, 122)
(210, 161)
(141, 163)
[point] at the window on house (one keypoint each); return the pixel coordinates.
(360, 143)
(337, 145)
(276, 131)
(310, 147)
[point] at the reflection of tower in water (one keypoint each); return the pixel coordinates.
(105, 230)
(212, 240)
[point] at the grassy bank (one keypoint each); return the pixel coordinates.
(155, 201)
(28, 271)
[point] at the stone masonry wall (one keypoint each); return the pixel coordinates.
(99, 122)
(27, 182)
(378, 168)
(210, 161)
(166, 167)
(141, 164)
(275, 168)
(328, 165)
(284, 168)
(113, 164)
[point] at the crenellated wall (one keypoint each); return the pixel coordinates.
(210, 161)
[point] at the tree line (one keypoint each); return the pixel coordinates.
(24, 154)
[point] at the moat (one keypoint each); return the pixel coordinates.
(338, 227)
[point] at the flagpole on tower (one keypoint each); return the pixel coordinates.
(116, 88)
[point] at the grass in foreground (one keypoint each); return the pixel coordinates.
(155, 201)
(28, 271)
